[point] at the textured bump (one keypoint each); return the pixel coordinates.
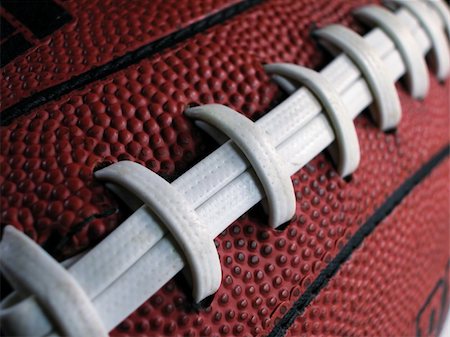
(137, 114)
(99, 32)
(48, 157)
(395, 283)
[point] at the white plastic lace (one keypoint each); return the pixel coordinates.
(121, 272)
(174, 210)
(348, 154)
(416, 68)
(262, 155)
(432, 25)
(386, 109)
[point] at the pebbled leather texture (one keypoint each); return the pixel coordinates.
(396, 283)
(265, 271)
(137, 114)
(98, 32)
(48, 157)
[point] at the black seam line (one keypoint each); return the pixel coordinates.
(52, 93)
(53, 246)
(331, 269)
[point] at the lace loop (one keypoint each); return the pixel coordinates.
(33, 271)
(416, 68)
(221, 187)
(427, 20)
(181, 220)
(347, 156)
(444, 12)
(261, 154)
(388, 110)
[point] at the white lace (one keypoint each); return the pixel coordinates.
(262, 155)
(121, 272)
(416, 68)
(348, 154)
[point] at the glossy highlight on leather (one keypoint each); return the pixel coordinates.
(49, 155)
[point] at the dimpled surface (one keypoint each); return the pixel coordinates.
(136, 114)
(386, 283)
(265, 270)
(101, 30)
(282, 35)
